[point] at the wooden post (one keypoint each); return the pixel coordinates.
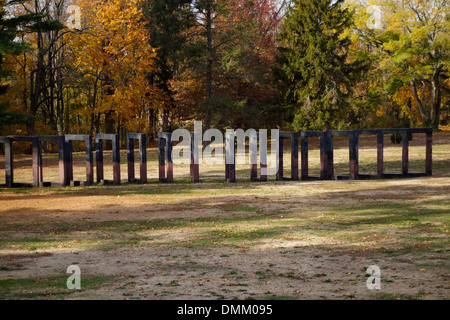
(323, 157)
(253, 156)
(69, 161)
(62, 163)
(380, 154)
(169, 158)
(405, 152)
(115, 141)
(294, 156)
(9, 169)
(99, 159)
(89, 158)
(41, 166)
(326, 157)
(162, 158)
(330, 156)
(143, 158)
(280, 173)
(263, 157)
(195, 167)
(429, 152)
(116, 159)
(165, 147)
(130, 159)
(304, 156)
(354, 154)
(63, 181)
(230, 157)
(36, 158)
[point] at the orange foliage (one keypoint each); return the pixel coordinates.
(114, 57)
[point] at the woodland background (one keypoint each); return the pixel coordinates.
(157, 65)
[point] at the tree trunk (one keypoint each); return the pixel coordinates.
(420, 106)
(209, 92)
(37, 78)
(436, 98)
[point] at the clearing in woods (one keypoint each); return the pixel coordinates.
(211, 240)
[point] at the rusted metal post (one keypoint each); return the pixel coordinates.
(405, 152)
(230, 157)
(162, 158)
(280, 173)
(35, 160)
(294, 156)
(115, 139)
(326, 157)
(165, 148)
(36, 156)
(141, 138)
(263, 157)
(254, 147)
(304, 156)
(429, 152)
(9, 169)
(253, 157)
(354, 154)
(194, 167)
(89, 158)
(380, 154)
(63, 179)
(99, 160)
(130, 159)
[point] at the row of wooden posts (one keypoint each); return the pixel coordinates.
(166, 169)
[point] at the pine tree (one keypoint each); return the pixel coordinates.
(8, 30)
(10, 27)
(168, 23)
(315, 70)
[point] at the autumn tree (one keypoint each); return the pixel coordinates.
(412, 42)
(228, 69)
(113, 58)
(245, 75)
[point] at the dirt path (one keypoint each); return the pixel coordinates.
(311, 240)
(283, 273)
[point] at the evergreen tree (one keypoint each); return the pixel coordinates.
(8, 30)
(10, 27)
(169, 21)
(314, 68)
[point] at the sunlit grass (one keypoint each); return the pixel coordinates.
(44, 288)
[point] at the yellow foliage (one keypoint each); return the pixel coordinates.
(112, 52)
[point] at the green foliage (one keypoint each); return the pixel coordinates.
(9, 29)
(168, 22)
(413, 55)
(229, 113)
(398, 138)
(316, 75)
